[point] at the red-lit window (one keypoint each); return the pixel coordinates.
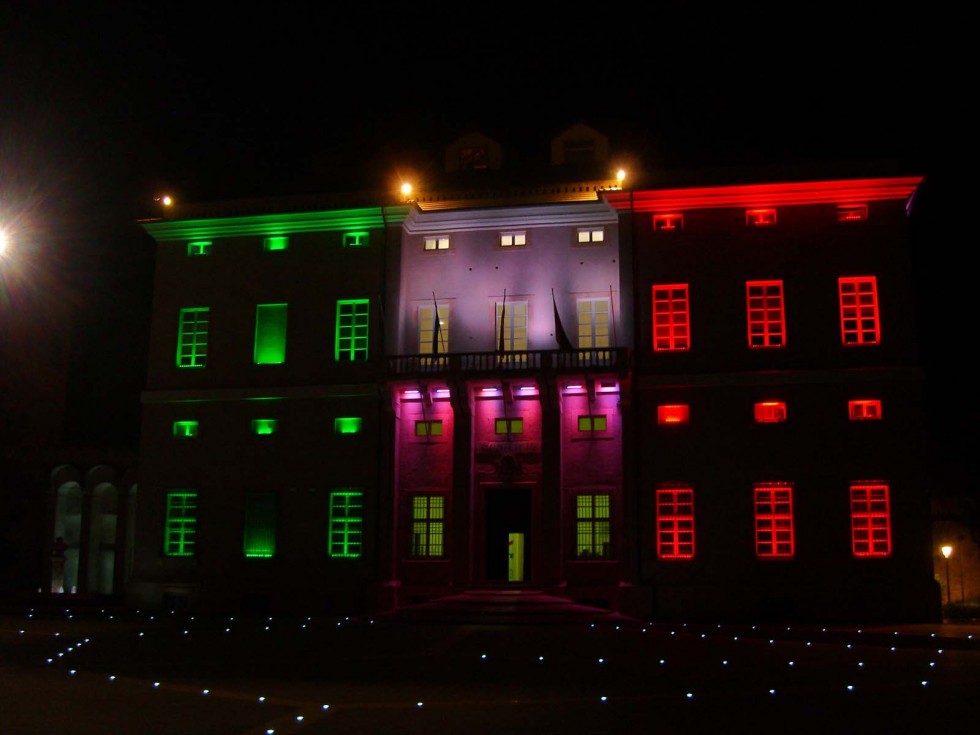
(774, 521)
(675, 523)
(760, 217)
(864, 410)
(766, 318)
(852, 212)
(671, 318)
(770, 412)
(859, 310)
(668, 222)
(677, 413)
(871, 532)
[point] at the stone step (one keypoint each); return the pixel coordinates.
(505, 607)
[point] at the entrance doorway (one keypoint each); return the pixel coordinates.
(508, 534)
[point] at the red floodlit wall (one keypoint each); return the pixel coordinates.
(424, 462)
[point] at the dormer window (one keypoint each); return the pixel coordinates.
(473, 159)
(581, 150)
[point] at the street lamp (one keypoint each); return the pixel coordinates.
(947, 551)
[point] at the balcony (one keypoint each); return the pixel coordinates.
(510, 364)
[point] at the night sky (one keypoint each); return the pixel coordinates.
(105, 105)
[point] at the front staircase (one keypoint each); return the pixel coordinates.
(506, 607)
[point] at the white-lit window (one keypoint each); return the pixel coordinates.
(437, 243)
(591, 236)
(513, 239)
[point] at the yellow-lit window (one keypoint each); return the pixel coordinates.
(428, 428)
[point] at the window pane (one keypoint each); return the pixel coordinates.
(270, 334)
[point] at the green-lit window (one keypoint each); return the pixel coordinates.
(264, 427)
(259, 540)
(347, 425)
(428, 527)
(428, 428)
(270, 334)
(185, 429)
(346, 522)
(180, 526)
(192, 337)
(508, 426)
(277, 242)
(591, 423)
(357, 239)
(351, 342)
(201, 247)
(592, 529)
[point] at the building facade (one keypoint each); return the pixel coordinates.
(679, 402)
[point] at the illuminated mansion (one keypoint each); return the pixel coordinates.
(683, 402)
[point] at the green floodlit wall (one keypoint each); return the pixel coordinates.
(270, 334)
(260, 526)
(276, 225)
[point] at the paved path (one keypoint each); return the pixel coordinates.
(119, 673)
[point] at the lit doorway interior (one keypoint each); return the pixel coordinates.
(508, 534)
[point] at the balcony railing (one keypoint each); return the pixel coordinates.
(547, 362)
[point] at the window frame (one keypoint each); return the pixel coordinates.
(345, 524)
(428, 428)
(508, 426)
(351, 341)
(192, 337)
(590, 236)
(860, 316)
(775, 535)
(180, 523)
(864, 409)
(514, 236)
(432, 527)
(592, 423)
(674, 522)
(438, 243)
(671, 317)
(355, 240)
(871, 521)
(593, 530)
(186, 429)
(199, 248)
(765, 314)
(271, 329)
(260, 524)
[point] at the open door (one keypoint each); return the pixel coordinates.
(508, 534)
